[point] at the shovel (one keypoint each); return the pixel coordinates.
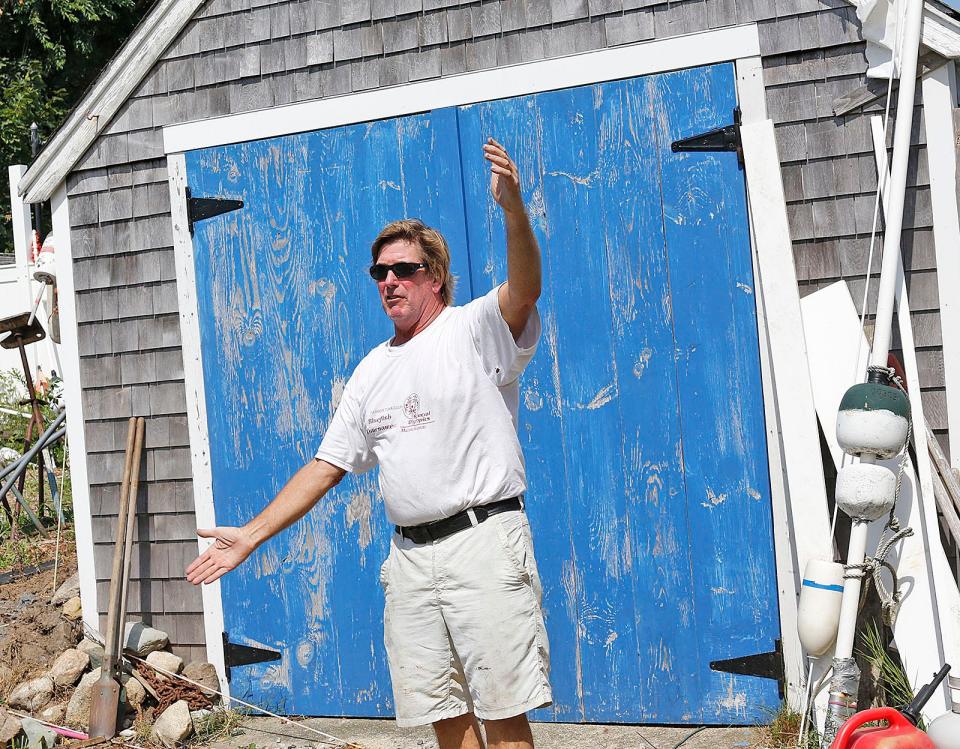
(133, 485)
(106, 692)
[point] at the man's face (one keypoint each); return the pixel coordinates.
(406, 300)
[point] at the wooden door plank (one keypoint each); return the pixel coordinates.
(721, 405)
(574, 174)
(517, 124)
(650, 444)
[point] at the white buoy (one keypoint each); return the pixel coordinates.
(944, 732)
(818, 613)
(873, 420)
(866, 491)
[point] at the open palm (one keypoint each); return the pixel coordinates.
(230, 547)
(504, 176)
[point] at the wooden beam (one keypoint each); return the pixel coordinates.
(800, 440)
(76, 434)
(939, 93)
(108, 93)
(926, 631)
(876, 88)
(948, 510)
(948, 477)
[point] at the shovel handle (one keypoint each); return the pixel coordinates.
(132, 487)
(113, 603)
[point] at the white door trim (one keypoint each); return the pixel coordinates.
(739, 44)
(686, 51)
(73, 397)
(196, 405)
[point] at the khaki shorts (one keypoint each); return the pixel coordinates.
(462, 624)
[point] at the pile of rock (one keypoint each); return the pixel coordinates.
(63, 693)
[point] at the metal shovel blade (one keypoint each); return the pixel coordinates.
(104, 707)
(106, 692)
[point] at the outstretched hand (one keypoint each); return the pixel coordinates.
(504, 177)
(230, 547)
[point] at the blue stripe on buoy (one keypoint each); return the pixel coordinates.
(812, 584)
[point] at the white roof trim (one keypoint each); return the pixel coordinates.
(112, 88)
(941, 33)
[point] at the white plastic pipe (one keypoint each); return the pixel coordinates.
(847, 629)
(898, 182)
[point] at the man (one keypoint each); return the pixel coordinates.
(436, 407)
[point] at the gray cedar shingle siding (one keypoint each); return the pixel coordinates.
(239, 55)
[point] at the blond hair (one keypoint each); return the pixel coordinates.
(435, 253)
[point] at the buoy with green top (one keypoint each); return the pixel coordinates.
(873, 420)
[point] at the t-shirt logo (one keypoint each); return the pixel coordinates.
(411, 406)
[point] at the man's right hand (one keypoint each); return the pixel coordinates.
(230, 547)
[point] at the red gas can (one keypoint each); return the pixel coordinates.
(899, 733)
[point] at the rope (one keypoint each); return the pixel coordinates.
(327, 738)
(890, 600)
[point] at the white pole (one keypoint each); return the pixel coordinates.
(888, 289)
(898, 182)
(843, 689)
(856, 551)
(22, 221)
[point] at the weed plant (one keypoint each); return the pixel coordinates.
(783, 732)
(220, 724)
(25, 551)
(897, 690)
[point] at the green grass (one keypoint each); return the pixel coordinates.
(19, 554)
(783, 731)
(897, 690)
(221, 723)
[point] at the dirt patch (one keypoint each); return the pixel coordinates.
(33, 631)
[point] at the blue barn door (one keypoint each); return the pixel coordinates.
(641, 416)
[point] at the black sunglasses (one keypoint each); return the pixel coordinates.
(401, 270)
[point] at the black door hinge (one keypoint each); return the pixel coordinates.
(199, 209)
(244, 655)
(765, 665)
(719, 139)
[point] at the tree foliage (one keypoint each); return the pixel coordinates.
(50, 51)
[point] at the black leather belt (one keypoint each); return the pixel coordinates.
(438, 529)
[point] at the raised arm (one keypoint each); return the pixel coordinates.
(522, 289)
(233, 545)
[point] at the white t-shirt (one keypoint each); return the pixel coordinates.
(438, 414)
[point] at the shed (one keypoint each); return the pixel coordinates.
(659, 487)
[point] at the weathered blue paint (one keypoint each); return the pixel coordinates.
(287, 310)
(718, 377)
(641, 415)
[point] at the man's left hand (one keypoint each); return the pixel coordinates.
(504, 177)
